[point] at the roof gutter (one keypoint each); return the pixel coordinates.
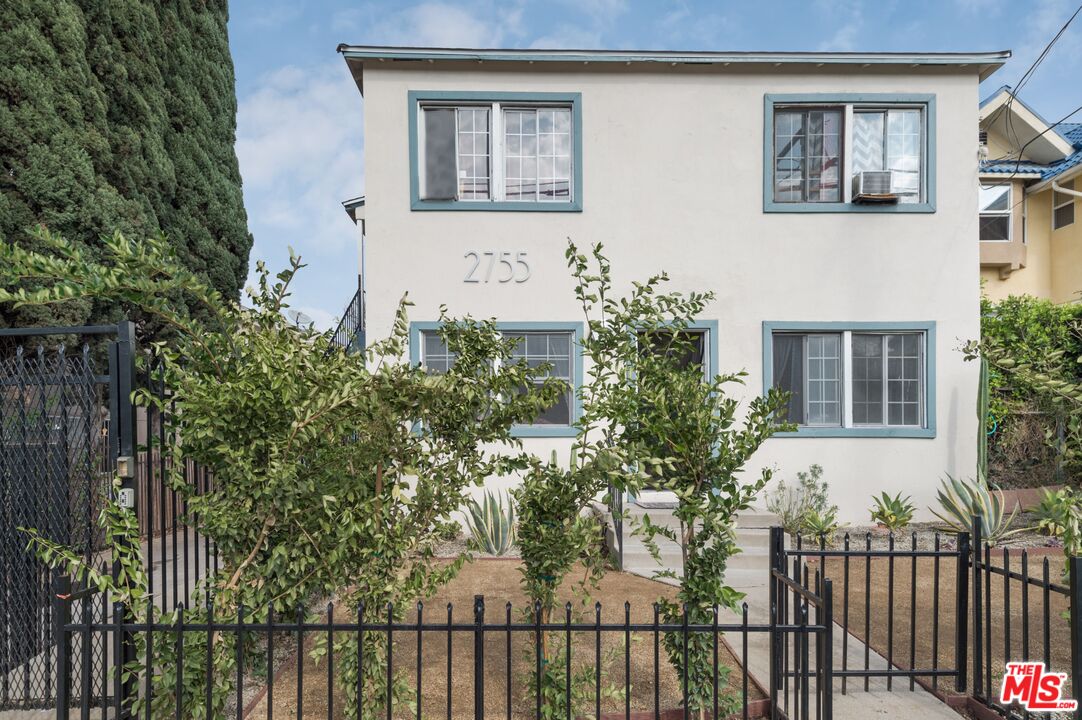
(1066, 191)
(1053, 182)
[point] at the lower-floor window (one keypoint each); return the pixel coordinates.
(851, 378)
(549, 349)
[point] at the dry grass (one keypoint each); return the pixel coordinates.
(921, 604)
(498, 581)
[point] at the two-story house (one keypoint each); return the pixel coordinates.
(1031, 185)
(825, 198)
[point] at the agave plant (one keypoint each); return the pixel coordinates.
(1057, 511)
(893, 513)
(962, 500)
(492, 523)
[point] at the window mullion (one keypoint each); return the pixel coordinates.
(847, 375)
(496, 146)
(886, 379)
(847, 155)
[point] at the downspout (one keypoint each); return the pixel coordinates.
(1066, 191)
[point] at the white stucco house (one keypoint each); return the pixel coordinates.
(825, 198)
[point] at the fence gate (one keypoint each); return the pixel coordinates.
(61, 413)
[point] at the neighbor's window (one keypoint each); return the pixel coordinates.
(552, 349)
(885, 389)
(496, 152)
(1063, 207)
(817, 161)
(995, 207)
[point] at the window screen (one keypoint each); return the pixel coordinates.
(995, 207)
(1063, 207)
(440, 162)
(552, 349)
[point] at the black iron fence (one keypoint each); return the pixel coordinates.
(1024, 611)
(469, 668)
(875, 614)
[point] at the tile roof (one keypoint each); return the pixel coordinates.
(1071, 131)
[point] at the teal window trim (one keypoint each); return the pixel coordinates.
(574, 100)
(526, 431)
(927, 327)
(770, 100)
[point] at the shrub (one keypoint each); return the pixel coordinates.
(893, 513)
(1057, 511)
(962, 500)
(793, 503)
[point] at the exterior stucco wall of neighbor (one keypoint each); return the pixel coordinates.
(1066, 249)
(673, 180)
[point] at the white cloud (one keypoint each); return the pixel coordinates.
(300, 148)
(602, 12)
(850, 14)
(569, 37)
(434, 24)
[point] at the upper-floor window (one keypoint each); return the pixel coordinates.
(513, 151)
(995, 208)
(1063, 207)
(849, 153)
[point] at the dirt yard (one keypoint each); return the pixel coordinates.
(498, 581)
(926, 609)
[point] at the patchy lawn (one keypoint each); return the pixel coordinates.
(498, 581)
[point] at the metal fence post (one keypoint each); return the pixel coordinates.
(1075, 570)
(826, 657)
(479, 657)
(961, 613)
(61, 601)
(123, 445)
(978, 619)
(777, 562)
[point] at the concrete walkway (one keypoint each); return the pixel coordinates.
(748, 572)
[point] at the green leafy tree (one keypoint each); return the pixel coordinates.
(683, 430)
(333, 472)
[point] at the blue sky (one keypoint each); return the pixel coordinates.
(300, 139)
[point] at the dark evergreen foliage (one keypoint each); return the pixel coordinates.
(121, 115)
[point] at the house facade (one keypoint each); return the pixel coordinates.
(1030, 202)
(826, 199)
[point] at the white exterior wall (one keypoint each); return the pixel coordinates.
(673, 180)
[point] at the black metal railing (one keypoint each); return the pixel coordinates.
(502, 658)
(858, 569)
(1048, 627)
(349, 335)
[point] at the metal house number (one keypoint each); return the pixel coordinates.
(496, 266)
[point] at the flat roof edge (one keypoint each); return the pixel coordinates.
(666, 56)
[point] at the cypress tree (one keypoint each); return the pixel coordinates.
(120, 115)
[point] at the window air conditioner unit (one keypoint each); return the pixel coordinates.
(874, 186)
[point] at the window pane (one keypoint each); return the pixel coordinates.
(438, 164)
(1063, 216)
(995, 198)
(789, 374)
(867, 379)
(823, 380)
(437, 357)
(551, 349)
(904, 379)
(807, 155)
(903, 152)
(473, 153)
(995, 227)
(868, 138)
(537, 146)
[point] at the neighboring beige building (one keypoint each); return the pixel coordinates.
(1030, 234)
(753, 175)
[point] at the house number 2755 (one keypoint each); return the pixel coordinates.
(496, 266)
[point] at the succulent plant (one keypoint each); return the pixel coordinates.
(893, 513)
(962, 500)
(492, 523)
